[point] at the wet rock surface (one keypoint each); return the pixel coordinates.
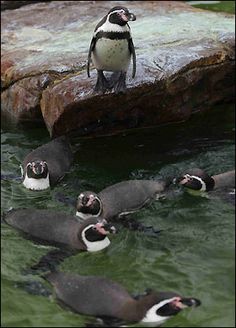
(15, 4)
(185, 64)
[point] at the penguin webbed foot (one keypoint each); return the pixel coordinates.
(151, 231)
(65, 199)
(119, 82)
(132, 224)
(102, 84)
(34, 288)
(113, 79)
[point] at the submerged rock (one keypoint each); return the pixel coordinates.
(185, 64)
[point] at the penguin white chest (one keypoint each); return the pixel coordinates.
(36, 184)
(111, 55)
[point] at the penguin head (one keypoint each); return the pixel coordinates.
(93, 234)
(166, 305)
(196, 179)
(88, 203)
(37, 169)
(120, 15)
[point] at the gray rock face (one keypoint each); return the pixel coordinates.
(15, 4)
(185, 64)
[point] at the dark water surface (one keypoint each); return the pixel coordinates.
(193, 255)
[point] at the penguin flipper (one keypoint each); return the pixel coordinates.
(132, 51)
(91, 48)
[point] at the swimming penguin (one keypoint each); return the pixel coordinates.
(197, 179)
(111, 49)
(47, 164)
(101, 297)
(60, 229)
(119, 199)
(221, 185)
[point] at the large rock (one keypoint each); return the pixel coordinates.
(16, 4)
(185, 64)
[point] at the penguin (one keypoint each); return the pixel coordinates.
(119, 199)
(102, 297)
(60, 229)
(198, 179)
(46, 165)
(111, 49)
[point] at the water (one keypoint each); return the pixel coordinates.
(193, 255)
(226, 6)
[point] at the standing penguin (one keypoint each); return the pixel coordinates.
(111, 50)
(101, 297)
(47, 164)
(119, 199)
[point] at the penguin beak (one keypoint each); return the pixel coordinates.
(131, 17)
(37, 168)
(181, 180)
(182, 303)
(185, 179)
(86, 201)
(190, 302)
(105, 228)
(127, 17)
(90, 200)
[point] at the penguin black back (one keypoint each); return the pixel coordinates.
(61, 229)
(99, 296)
(119, 199)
